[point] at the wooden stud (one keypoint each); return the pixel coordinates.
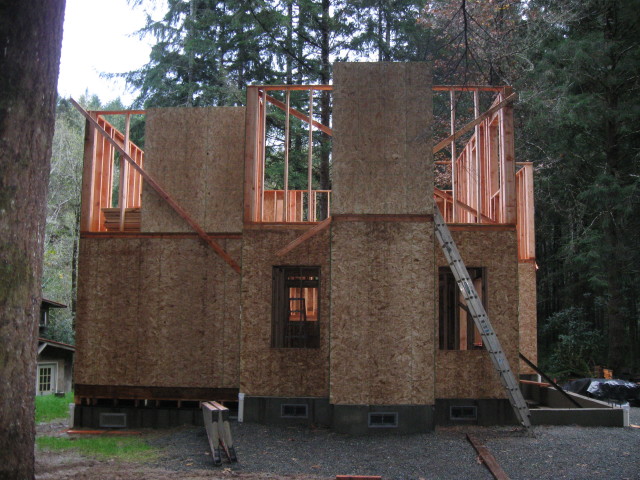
(124, 181)
(287, 121)
(311, 212)
(454, 186)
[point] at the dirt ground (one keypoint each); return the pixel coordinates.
(268, 452)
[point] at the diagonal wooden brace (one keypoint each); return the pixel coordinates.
(161, 191)
(323, 225)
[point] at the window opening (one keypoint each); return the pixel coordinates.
(457, 330)
(295, 307)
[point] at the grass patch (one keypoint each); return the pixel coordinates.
(50, 407)
(132, 449)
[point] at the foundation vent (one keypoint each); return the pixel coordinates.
(113, 420)
(383, 419)
(294, 410)
(463, 412)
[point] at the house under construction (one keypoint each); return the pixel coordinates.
(204, 276)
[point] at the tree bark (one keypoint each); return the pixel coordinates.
(30, 43)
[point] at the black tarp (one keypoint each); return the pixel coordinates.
(619, 391)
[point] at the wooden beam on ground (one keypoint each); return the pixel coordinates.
(300, 115)
(161, 192)
(473, 123)
(488, 459)
(323, 225)
(442, 194)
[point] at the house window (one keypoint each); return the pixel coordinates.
(295, 307)
(457, 330)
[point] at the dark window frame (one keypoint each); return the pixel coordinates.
(301, 332)
(449, 305)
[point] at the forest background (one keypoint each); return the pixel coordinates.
(575, 65)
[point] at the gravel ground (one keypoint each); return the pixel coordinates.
(548, 453)
(302, 454)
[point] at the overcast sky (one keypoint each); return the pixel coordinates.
(97, 39)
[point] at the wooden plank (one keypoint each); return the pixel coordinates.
(488, 459)
(304, 237)
(300, 115)
(473, 123)
(164, 195)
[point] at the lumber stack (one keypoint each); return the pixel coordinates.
(112, 219)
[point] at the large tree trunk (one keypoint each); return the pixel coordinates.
(30, 42)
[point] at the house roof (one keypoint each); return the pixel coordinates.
(52, 304)
(43, 342)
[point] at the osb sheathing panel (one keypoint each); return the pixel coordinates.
(382, 124)
(528, 315)
(197, 155)
(280, 371)
(157, 312)
(382, 313)
(470, 374)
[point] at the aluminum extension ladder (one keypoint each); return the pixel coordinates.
(481, 319)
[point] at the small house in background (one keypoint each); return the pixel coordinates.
(55, 359)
